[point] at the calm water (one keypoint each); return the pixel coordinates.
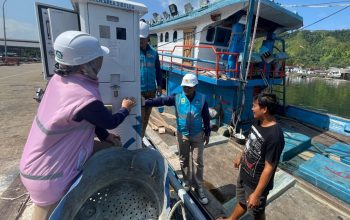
(325, 95)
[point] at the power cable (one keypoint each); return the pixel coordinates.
(324, 4)
(326, 17)
(302, 28)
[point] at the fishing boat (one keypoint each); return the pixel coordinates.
(217, 42)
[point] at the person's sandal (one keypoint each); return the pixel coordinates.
(202, 198)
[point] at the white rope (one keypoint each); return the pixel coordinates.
(253, 39)
(14, 198)
(172, 211)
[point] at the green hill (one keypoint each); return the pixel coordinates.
(318, 48)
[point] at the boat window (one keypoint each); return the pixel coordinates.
(222, 36)
(166, 37)
(161, 37)
(121, 33)
(210, 34)
(105, 32)
(175, 36)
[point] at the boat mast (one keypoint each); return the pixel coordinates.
(243, 82)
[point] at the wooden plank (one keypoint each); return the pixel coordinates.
(171, 129)
(163, 148)
(218, 139)
(13, 200)
(306, 155)
(160, 122)
(170, 116)
(161, 130)
(153, 126)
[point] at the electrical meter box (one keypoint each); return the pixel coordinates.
(116, 24)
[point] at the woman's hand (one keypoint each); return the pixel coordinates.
(128, 103)
(114, 139)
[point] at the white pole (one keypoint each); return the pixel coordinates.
(3, 20)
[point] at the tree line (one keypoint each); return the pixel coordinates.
(318, 49)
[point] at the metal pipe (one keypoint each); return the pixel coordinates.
(3, 20)
(185, 198)
(183, 195)
(191, 59)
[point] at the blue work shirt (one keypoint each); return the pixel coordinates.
(171, 101)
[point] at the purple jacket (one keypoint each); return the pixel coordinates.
(53, 155)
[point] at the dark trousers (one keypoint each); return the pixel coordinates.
(146, 111)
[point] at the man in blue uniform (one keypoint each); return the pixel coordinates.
(193, 130)
(151, 76)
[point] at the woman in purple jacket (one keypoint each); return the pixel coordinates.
(69, 116)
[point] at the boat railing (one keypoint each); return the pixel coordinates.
(218, 67)
(276, 71)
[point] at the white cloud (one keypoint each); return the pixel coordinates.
(19, 30)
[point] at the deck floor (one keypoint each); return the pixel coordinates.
(18, 85)
(220, 176)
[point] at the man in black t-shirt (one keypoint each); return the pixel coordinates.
(259, 160)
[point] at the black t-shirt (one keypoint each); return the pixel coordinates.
(264, 144)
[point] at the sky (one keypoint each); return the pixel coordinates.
(21, 23)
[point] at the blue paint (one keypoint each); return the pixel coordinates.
(181, 19)
(341, 150)
(331, 176)
(236, 46)
(295, 143)
(218, 90)
(129, 143)
(137, 127)
(138, 119)
(267, 47)
(324, 121)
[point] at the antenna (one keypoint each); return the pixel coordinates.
(166, 15)
(173, 10)
(203, 3)
(156, 17)
(188, 8)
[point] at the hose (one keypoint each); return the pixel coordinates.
(172, 211)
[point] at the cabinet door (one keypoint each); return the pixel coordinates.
(52, 21)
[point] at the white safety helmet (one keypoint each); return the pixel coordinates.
(144, 29)
(189, 80)
(73, 48)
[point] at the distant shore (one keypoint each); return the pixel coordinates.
(312, 75)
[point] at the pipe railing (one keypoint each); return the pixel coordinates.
(219, 65)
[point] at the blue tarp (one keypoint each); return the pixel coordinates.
(341, 150)
(295, 143)
(329, 175)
